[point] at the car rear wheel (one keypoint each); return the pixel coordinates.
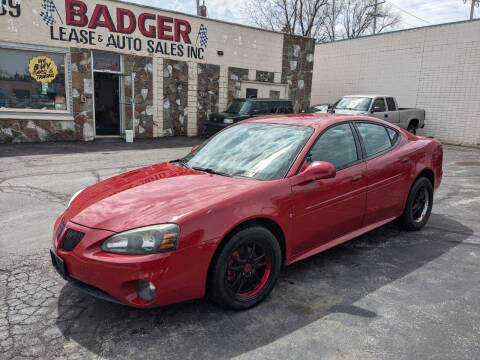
(419, 205)
(412, 129)
(246, 269)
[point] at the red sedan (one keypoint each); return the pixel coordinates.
(260, 195)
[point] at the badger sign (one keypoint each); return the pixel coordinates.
(43, 69)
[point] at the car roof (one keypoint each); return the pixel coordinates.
(263, 99)
(315, 120)
(368, 95)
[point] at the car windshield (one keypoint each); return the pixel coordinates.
(250, 150)
(353, 103)
(241, 107)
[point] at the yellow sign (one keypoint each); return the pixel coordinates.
(43, 69)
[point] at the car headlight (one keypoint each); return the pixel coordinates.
(74, 196)
(228, 121)
(146, 240)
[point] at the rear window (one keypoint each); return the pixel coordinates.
(391, 104)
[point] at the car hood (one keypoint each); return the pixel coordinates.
(152, 195)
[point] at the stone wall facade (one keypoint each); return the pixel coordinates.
(15, 130)
(207, 93)
(143, 95)
(82, 94)
(175, 97)
(297, 69)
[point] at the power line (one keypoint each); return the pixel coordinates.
(408, 13)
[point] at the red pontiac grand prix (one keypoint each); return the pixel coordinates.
(260, 195)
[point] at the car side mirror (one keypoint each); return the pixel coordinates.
(317, 170)
(376, 109)
(194, 148)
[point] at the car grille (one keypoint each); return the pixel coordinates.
(60, 229)
(71, 239)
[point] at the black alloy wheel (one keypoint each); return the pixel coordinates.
(419, 205)
(246, 268)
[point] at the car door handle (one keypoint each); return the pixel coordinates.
(405, 159)
(356, 178)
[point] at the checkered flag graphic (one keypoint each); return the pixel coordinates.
(48, 5)
(203, 34)
(47, 14)
(48, 17)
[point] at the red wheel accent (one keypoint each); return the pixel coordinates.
(248, 270)
(260, 286)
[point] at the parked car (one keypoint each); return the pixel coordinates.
(320, 108)
(242, 109)
(224, 220)
(383, 107)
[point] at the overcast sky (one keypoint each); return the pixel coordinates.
(431, 11)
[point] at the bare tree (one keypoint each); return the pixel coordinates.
(389, 19)
(298, 17)
(356, 18)
(331, 16)
(324, 20)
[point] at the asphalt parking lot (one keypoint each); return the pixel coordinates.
(388, 294)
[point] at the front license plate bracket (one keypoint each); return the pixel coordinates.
(59, 265)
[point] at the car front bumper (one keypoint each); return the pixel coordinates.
(178, 275)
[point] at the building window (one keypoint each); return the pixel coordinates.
(32, 79)
(252, 93)
(106, 62)
(274, 94)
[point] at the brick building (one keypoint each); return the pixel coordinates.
(76, 69)
(435, 67)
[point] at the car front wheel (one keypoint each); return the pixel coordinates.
(419, 205)
(246, 269)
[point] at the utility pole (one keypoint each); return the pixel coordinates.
(375, 14)
(198, 8)
(472, 6)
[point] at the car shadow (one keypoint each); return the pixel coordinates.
(331, 282)
(99, 145)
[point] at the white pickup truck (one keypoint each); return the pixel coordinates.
(384, 107)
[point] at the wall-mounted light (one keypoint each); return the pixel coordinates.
(220, 53)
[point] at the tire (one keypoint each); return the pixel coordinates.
(242, 277)
(412, 129)
(419, 205)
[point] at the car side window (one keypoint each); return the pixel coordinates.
(393, 136)
(380, 104)
(375, 138)
(275, 107)
(391, 104)
(288, 108)
(262, 108)
(335, 145)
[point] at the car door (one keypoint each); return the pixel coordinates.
(379, 109)
(329, 208)
(393, 115)
(387, 171)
